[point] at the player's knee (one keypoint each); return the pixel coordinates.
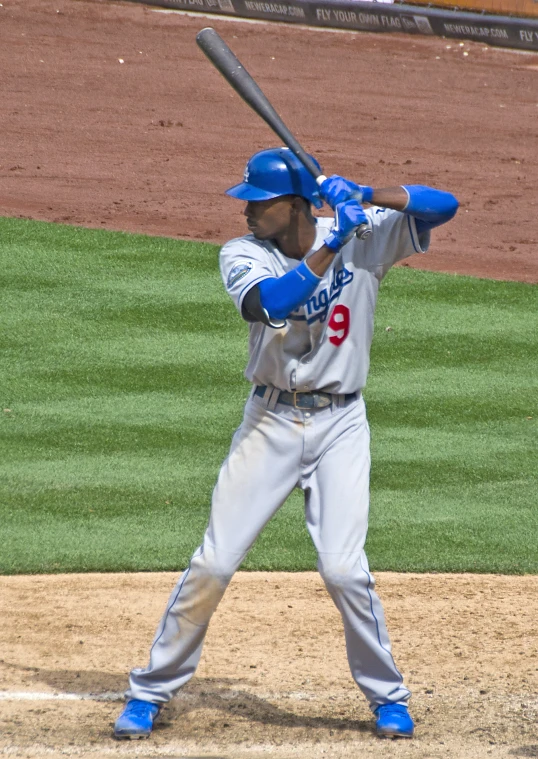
(203, 585)
(200, 596)
(337, 579)
(344, 574)
(215, 564)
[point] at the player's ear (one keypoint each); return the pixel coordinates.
(298, 204)
(306, 209)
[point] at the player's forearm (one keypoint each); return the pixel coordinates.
(319, 262)
(282, 295)
(390, 197)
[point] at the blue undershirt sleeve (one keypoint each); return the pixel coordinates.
(280, 296)
(430, 207)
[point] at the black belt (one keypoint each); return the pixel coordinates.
(316, 399)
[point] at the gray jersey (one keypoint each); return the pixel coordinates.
(325, 344)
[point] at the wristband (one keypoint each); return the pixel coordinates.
(333, 243)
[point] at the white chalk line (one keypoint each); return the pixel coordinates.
(7, 695)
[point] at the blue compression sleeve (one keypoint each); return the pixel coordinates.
(280, 296)
(429, 207)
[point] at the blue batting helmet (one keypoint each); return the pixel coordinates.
(275, 172)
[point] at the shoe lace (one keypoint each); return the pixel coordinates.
(140, 707)
(393, 709)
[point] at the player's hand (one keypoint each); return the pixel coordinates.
(348, 217)
(336, 189)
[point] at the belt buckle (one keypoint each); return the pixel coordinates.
(296, 403)
(313, 400)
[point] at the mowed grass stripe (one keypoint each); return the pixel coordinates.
(122, 361)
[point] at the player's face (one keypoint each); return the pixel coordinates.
(269, 219)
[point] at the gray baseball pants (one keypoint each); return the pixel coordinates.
(326, 453)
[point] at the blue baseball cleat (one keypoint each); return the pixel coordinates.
(136, 720)
(393, 721)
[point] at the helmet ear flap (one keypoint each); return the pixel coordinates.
(317, 200)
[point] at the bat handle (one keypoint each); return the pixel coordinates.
(363, 230)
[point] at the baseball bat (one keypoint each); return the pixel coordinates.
(220, 55)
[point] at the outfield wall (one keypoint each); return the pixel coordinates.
(504, 31)
(499, 7)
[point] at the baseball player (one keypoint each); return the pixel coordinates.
(307, 287)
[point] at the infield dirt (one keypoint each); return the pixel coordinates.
(274, 679)
(112, 118)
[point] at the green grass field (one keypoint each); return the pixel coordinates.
(121, 384)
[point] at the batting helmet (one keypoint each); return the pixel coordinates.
(275, 172)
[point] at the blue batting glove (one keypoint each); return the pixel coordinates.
(336, 189)
(348, 216)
